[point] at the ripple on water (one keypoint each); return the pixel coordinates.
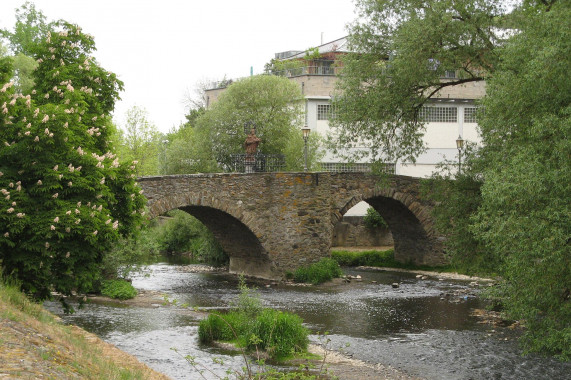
(412, 328)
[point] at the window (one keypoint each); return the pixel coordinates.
(449, 74)
(323, 111)
(470, 114)
(438, 114)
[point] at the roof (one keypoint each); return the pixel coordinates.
(338, 45)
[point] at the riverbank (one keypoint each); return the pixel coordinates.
(34, 345)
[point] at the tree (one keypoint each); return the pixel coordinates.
(140, 141)
(508, 212)
(402, 50)
(65, 197)
(270, 104)
(30, 29)
(524, 217)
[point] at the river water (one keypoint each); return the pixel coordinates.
(424, 327)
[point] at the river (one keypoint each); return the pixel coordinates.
(425, 327)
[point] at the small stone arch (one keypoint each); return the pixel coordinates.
(229, 225)
(408, 220)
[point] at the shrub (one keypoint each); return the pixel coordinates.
(118, 289)
(281, 334)
(183, 233)
(373, 219)
(253, 327)
(319, 272)
(366, 258)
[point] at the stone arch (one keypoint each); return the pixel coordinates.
(229, 224)
(408, 220)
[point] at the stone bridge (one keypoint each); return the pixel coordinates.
(269, 223)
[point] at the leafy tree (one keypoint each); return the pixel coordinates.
(524, 217)
(30, 29)
(65, 197)
(140, 141)
(403, 48)
(508, 212)
(271, 104)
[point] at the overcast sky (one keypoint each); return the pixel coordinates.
(162, 49)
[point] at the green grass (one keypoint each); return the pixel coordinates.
(280, 334)
(118, 289)
(74, 353)
(384, 259)
(324, 270)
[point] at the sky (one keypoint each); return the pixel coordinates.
(162, 50)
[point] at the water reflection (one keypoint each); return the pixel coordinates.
(415, 327)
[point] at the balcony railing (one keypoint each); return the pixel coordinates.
(307, 70)
(256, 163)
(293, 72)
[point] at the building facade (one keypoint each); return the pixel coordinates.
(449, 114)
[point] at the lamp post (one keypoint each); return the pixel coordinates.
(459, 145)
(305, 131)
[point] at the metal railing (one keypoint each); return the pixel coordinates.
(256, 163)
(306, 70)
(292, 72)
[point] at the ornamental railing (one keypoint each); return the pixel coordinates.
(258, 162)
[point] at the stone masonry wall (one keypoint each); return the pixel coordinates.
(352, 232)
(269, 223)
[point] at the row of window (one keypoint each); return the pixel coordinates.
(431, 114)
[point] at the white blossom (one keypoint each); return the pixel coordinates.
(56, 219)
(10, 210)
(20, 215)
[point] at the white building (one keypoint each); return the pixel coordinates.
(448, 115)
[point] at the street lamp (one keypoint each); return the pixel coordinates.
(305, 131)
(459, 145)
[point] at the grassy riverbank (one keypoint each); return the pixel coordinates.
(33, 344)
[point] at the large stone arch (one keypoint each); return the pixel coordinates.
(229, 224)
(409, 223)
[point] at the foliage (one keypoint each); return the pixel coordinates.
(140, 142)
(508, 212)
(130, 253)
(324, 270)
(366, 258)
(373, 219)
(183, 233)
(65, 197)
(118, 289)
(271, 104)
(523, 219)
(248, 302)
(280, 334)
(402, 50)
(30, 31)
